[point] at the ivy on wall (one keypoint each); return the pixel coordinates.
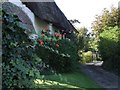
(18, 60)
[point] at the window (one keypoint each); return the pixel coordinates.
(50, 27)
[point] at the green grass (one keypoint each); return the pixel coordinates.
(68, 80)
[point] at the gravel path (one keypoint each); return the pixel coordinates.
(105, 79)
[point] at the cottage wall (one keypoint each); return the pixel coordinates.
(37, 23)
(40, 25)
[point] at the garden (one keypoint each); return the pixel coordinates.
(39, 61)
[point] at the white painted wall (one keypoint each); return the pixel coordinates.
(37, 24)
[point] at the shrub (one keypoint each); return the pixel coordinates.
(86, 57)
(109, 48)
(62, 58)
(58, 52)
(57, 61)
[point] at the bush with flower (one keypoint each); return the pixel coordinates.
(59, 52)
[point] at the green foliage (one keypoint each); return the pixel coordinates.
(93, 44)
(26, 58)
(61, 58)
(82, 38)
(111, 33)
(85, 44)
(86, 57)
(106, 19)
(19, 67)
(59, 62)
(69, 48)
(103, 21)
(107, 34)
(109, 48)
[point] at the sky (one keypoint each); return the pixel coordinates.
(84, 10)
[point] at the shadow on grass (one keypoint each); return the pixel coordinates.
(74, 80)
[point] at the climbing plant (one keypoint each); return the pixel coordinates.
(19, 65)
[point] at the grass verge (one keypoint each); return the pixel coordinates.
(68, 80)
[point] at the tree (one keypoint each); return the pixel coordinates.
(82, 38)
(107, 18)
(107, 33)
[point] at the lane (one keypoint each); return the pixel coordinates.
(107, 80)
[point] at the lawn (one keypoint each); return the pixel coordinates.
(67, 80)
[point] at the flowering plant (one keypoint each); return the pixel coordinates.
(56, 50)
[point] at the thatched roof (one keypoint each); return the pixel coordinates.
(13, 9)
(50, 12)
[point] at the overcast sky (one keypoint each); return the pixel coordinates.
(84, 10)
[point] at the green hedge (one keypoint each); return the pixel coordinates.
(86, 57)
(109, 47)
(58, 62)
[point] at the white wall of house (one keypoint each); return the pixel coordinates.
(37, 23)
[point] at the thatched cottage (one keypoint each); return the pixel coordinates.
(46, 15)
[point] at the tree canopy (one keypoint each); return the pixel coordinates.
(107, 34)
